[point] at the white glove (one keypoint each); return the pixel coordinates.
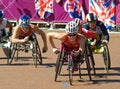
(55, 50)
(105, 41)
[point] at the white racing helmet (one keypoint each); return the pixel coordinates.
(71, 28)
(77, 21)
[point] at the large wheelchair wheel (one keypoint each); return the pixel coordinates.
(59, 63)
(70, 68)
(7, 52)
(36, 52)
(12, 51)
(5, 44)
(72, 64)
(106, 57)
(87, 63)
(91, 58)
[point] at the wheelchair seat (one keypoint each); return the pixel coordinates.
(97, 50)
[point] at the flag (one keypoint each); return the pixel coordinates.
(44, 8)
(74, 9)
(105, 10)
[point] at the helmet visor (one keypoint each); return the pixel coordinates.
(24, 27)
(72, 34)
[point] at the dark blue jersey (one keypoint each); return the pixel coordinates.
(102, 28)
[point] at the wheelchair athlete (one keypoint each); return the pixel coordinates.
(99, 46)
(93, 24)
(5, 33)
(4, 23)
(25, 29)
(70, 39)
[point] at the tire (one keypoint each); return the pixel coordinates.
(6, 51)
(12, 51)
(59, 63)
(38, 49)
(92, 62)
(87, 64)
(70, 68)
(36, 52)
(106, 58)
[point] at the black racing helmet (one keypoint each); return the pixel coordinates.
(91, 17)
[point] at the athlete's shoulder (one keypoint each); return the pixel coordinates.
(86, 26)
(5, 19)
(100, 23)
(17, 27)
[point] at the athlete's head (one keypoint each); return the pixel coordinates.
(91, 17)
(91, 20)
(24, 21)
(71, 28)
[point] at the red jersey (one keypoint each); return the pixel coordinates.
(23, 34)
(74, 46)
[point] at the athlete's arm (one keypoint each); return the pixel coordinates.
(9, 26)
(55, 35)
(104, 31)
(15, 36)
(42, 33)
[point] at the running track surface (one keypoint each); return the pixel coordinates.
(23, 75)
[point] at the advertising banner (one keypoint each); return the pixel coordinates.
(50, 10)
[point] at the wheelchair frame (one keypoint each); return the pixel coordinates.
(5, 43)
(36, 52)
(60, 61)
(105, 55)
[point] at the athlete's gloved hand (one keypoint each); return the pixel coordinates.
(45, 48)
(9, 34)
(105, 41)
(55, 50)
(26, 39)
(93, 43)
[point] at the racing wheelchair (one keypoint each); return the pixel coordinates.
(64, 55)
(101, 48)
(5, 42)
(30, 45)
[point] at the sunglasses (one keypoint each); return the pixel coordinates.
(72, 34)
(24, 27)
(92, 21)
